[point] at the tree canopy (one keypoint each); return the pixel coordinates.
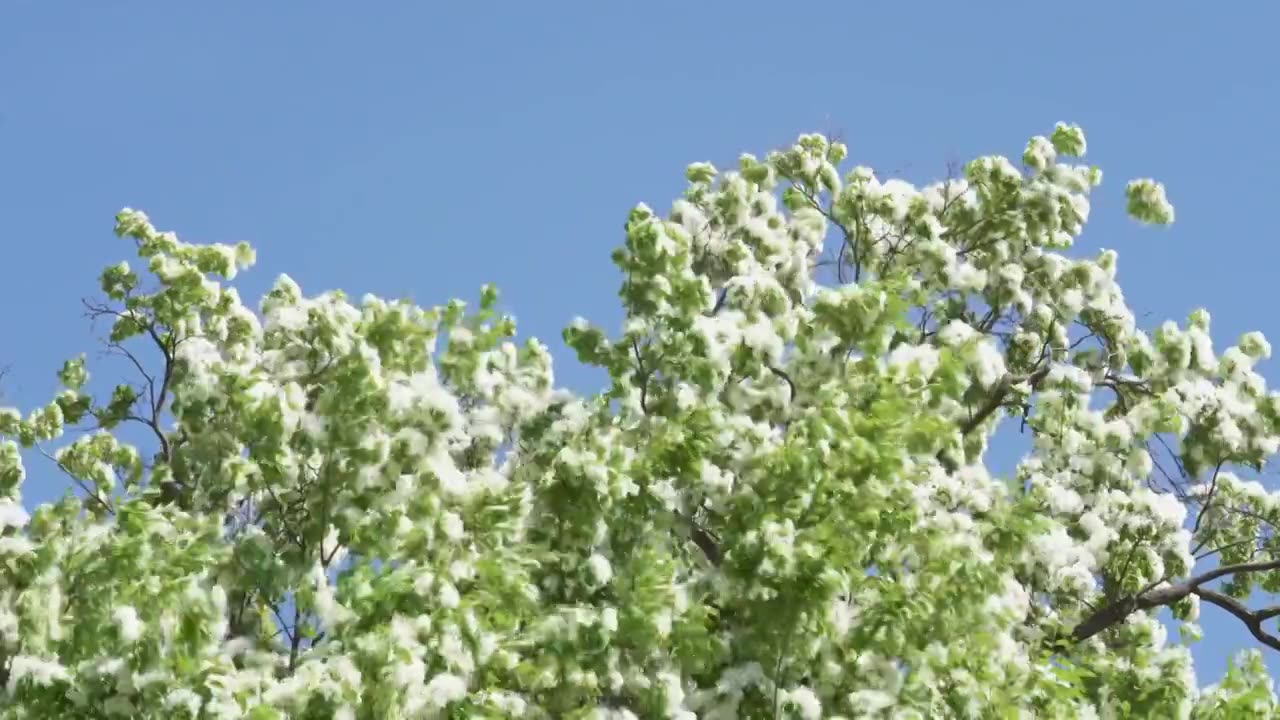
(778, 506)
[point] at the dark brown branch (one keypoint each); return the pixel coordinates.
(644, 377)
(133, 359)
(791, 386)
(1208, 502)
(295, 638)
(1251, 620)
(707, 544)
(1177, 461)
(167, 346)
(284, 521)
(720, 301)
(1116, 612)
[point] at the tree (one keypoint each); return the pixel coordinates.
(777, 508)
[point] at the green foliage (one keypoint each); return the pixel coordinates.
(777, 507)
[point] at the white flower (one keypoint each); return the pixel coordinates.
(41, 671)
(600, 569)
(16, 545)
(804, 701)
(12, 514)
(921, 358)
(449, 595)
(990, 363)
(451, 524)
(184, 698)
(445, 688)
(409, 673)
(956, 332)
(1062, 499)
(1040, 153)
(127, 623)
(869, 702)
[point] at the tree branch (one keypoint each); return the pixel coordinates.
(644, 377)
(707, 544)
(1116, 612)
(705, 541)
(1208, 502)
(997, 398)
(791, 386)
(993, 403)
(1251, 620)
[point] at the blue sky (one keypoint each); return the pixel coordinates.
(423, 149)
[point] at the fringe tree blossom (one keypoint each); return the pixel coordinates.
(777, 506)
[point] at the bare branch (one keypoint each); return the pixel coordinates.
(1228, 546)
(1208, 501)
(1251, 620)
(705, 542)
(644, 377)
(295, 640)
(167, 345)
(1116, 612)
(91, 492)
(720, 301)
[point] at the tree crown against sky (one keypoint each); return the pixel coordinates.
(778, 507)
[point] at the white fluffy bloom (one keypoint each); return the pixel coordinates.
(1099, 533)
(445, 688)
(41, 671)
(12, 514)
(127, 623)
(600, 569)
(451, 524)
(956, 332)
(1061, 499)
(1014, 601)
(1067, 563)
(331, 612)
(920, 358)
(1255, 345)
(449, 597)
(869, 702)
(1166, 508)
(184, 698)
(411, 673)
(1040, 153)
(453, 482)
(804, 701)
(990, 363)
(16, 545)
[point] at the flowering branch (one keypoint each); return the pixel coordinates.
(993, 403)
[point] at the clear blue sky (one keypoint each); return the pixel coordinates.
(407, 150)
